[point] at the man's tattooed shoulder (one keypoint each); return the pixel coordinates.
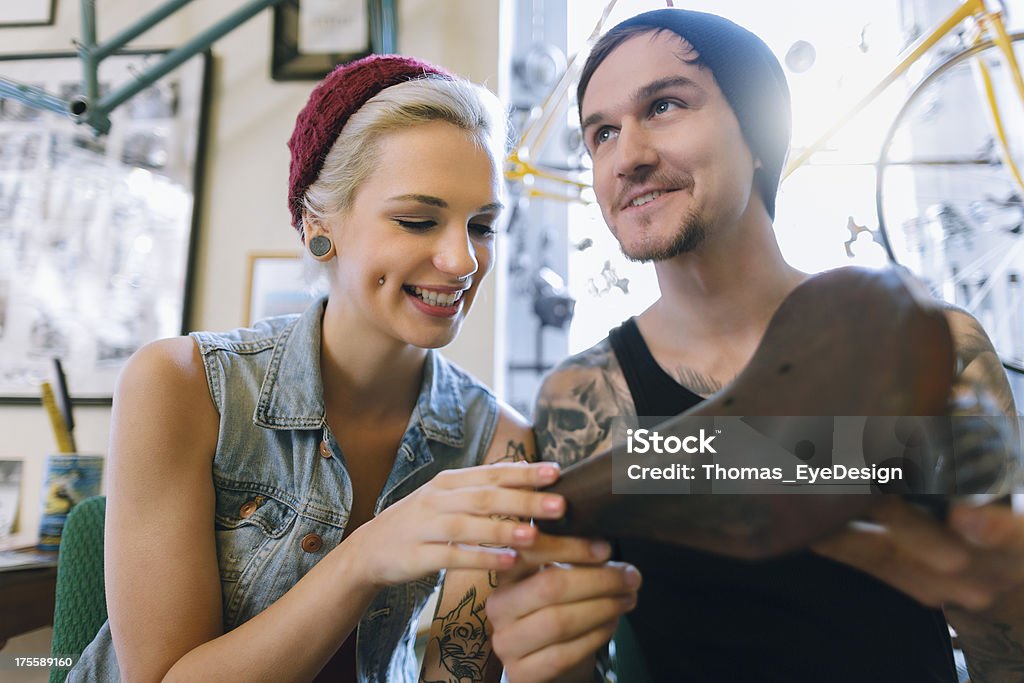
(577, 403)
(600, 355)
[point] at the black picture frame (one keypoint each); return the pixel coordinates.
(113, 222)
(289, 63)
(27, 13)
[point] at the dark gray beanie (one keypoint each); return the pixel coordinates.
(749, 75)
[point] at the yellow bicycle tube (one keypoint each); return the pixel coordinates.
(1002, 41)
(968, 8)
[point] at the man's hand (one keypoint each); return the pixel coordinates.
(550, 619)
(972, 566)
(968, 562)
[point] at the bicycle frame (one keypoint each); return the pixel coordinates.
(990, 22)
(92, 109)
(519, 166)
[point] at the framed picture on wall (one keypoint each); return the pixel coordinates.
(27, 13)
(311, 37)
(278, 284)
(96, 233)
(10, 495)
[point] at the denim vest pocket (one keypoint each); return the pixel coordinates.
(245, 521)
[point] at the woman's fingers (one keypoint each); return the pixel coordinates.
(547, 549)
(506, 474)
(536, 548)
(466, 528)
(493, 500)
(460, 556)
(451, 521)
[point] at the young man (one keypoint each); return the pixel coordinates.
(686, 116)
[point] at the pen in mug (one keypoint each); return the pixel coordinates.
(64, 402)
(60, 431)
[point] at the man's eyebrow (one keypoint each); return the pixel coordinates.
(442, 204)
(645, 92)
(654, 87)
(593, 119)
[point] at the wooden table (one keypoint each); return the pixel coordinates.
(26, 600)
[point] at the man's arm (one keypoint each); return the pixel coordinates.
(577, 403)
(550, 623)
(972, 566)
(978, 363)
(993, 639)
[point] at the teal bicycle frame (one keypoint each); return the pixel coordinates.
(91, 109)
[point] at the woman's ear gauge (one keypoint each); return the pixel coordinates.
(320, 246)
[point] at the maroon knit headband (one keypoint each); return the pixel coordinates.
(330, 105)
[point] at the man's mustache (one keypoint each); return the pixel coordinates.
(663, 181)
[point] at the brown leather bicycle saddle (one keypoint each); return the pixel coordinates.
(848, 342)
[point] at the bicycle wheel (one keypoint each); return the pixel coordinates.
(948, 206)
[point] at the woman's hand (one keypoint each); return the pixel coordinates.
(458, 520)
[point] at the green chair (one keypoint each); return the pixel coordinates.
(81, 606)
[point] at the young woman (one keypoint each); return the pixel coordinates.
(283, 498)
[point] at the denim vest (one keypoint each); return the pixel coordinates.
(283, 494)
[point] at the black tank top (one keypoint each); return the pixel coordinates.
(803, 617)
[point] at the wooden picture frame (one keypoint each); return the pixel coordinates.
(12, 494)
(311, 37)
(27, 13)
(277, 284)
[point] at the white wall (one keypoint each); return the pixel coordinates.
(244, 197)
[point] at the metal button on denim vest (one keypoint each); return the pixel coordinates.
(283, 494)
